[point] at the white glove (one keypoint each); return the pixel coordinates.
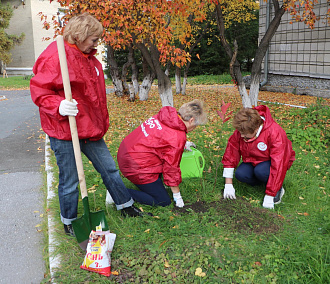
(229, 191)
(188, 145)
(68, 108)
(268, 202)
(178, 199)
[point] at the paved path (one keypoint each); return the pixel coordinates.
(21, 198)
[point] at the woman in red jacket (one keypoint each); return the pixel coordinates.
(153, 151)
(89, 106)
(266, 152)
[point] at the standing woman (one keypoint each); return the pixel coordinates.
(153, 152)
(89, 106)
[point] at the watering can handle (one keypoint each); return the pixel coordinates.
(72, 119)
(199, 155)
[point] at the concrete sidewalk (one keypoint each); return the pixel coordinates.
(21, 197)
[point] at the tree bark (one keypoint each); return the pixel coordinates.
(151, 55)
(114, 72)
(177, 80)
(135, 72)
(148, 78)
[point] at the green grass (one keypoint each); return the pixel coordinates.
(231, 242)
(19, 82)
(15, 82)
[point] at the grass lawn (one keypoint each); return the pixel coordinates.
(211, 240)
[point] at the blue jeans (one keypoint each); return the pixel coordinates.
(97, 152)
(251, 175)
(154, 194)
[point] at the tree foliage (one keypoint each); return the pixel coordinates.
(7, 41)
(153, 27)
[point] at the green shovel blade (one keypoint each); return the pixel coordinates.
(87, 222)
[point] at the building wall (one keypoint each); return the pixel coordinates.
(298, 54)
(26, 20)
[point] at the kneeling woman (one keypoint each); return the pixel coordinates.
(153, 152)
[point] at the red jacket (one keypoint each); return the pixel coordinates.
(87, 87)
(272, 144)
(154, 148)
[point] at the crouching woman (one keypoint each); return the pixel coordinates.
(150, 155)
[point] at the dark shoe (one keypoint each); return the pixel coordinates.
(279, 195)
(132, 211)
(69, 230)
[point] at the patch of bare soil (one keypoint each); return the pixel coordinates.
(239, 215)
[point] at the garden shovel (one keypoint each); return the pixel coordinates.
(89, 220)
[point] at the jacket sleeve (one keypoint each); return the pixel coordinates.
(171, 158)
(232, 154)
(45, 86)
(280, 155)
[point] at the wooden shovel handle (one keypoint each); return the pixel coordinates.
(72, 119)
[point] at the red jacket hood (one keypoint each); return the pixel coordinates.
(265, 113)
(169, 116)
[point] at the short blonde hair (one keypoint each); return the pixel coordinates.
(247, 120)
(80, 27)
(193, 109)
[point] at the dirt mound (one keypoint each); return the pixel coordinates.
(240, 215)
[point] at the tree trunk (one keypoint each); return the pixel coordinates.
(114, 72)
(124, 72)
(185, 78)
(165, 89)
(178, 80)
(135, 72)
(151, 55)
(148, 78)
(251, 99)
(131, 92)
(146, 86)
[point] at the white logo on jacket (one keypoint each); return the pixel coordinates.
(262, 146)
(151, 122)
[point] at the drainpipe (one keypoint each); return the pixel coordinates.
(264, 82)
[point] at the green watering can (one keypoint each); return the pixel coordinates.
(192, 164)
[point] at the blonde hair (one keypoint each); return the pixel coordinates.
(80, 27)
(193, 109)
(247, 120)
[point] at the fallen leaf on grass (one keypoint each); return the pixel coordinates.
(301, 198)
(199, 272)
(115, 272)
(147, 231)
(305, 214)
(166, 264)
(258, 263)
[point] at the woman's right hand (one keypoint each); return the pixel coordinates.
(178, 199)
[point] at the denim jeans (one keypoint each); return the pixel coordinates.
(98, 153)
(251, 175)
(154, 194)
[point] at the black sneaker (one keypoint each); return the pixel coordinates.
(133, 211)
(69, 230)
(279, 195)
